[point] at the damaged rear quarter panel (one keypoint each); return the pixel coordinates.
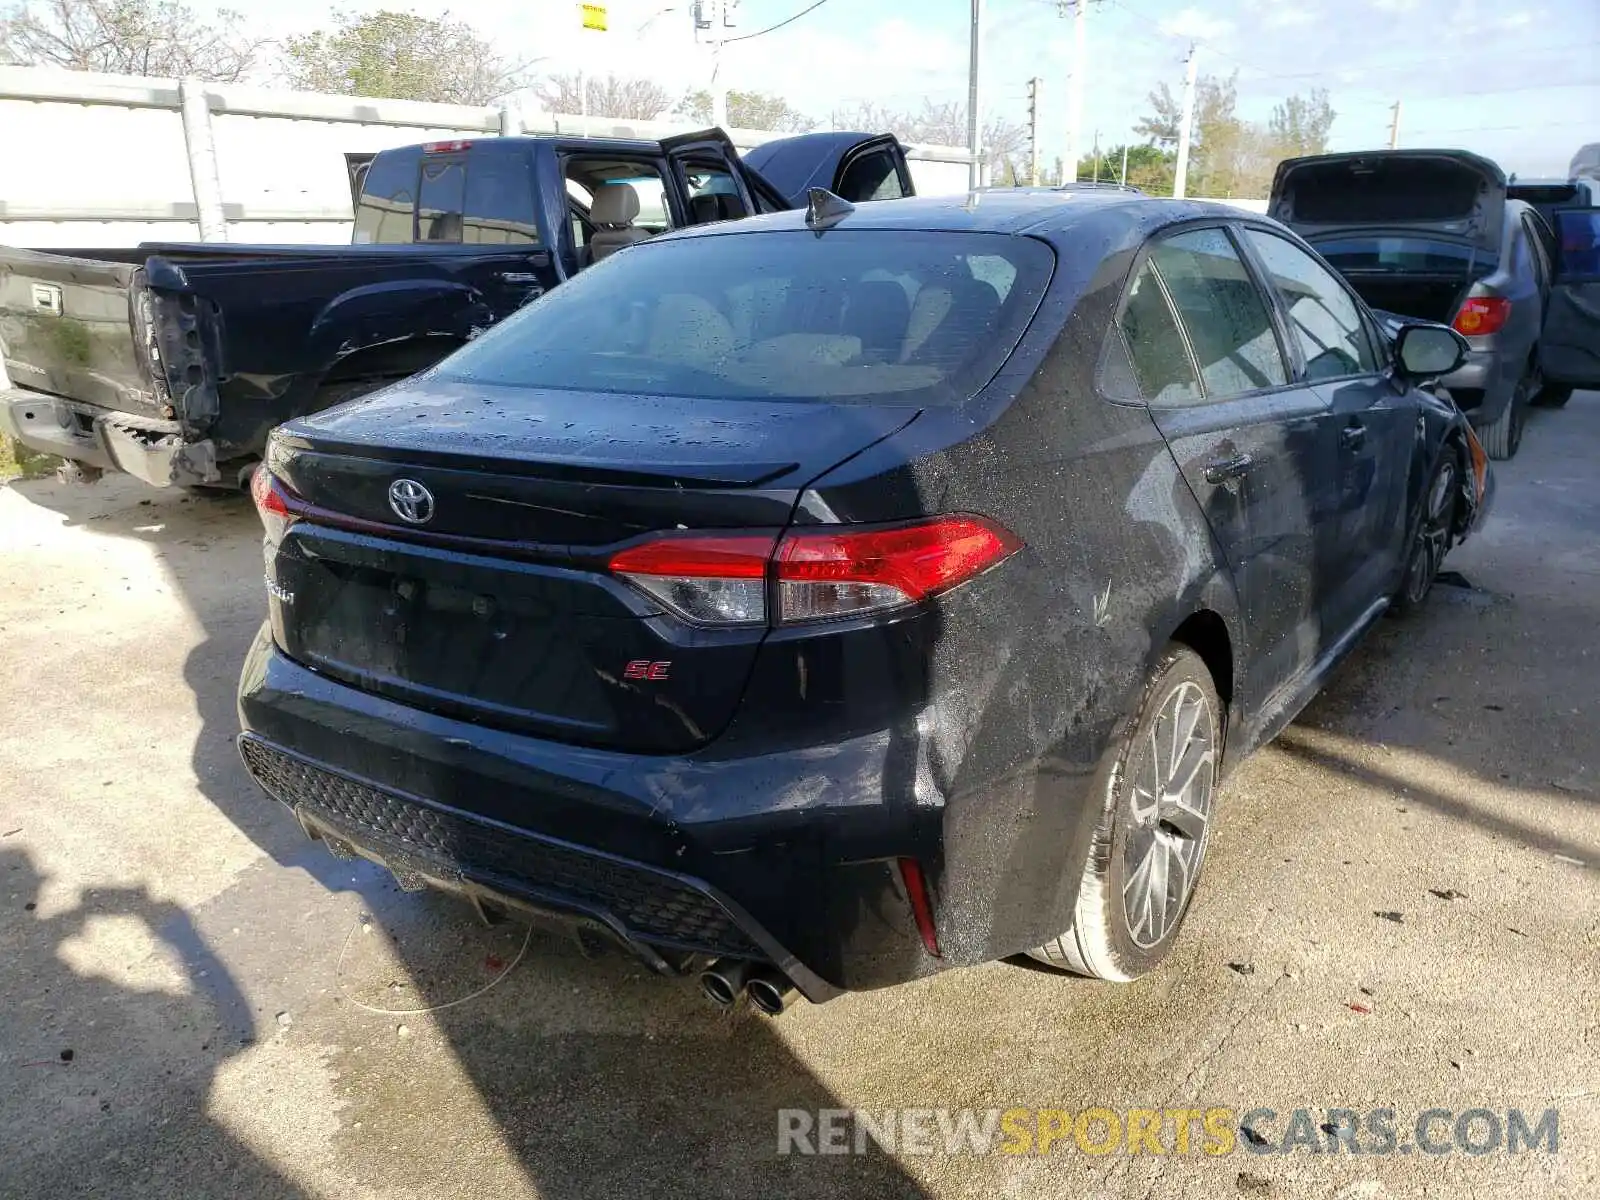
(1032, 670)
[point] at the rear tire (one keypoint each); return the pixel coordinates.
(1150, 844)
(1503, 439)
(1554, 395)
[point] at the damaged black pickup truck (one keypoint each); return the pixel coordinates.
(172, 361)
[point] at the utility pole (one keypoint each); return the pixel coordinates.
(1124, 180)
(1033, 131)
(975, 98)
(1079, 10)
(1097, 156)
(711, 18)
(1180, 179)
(1394, 127)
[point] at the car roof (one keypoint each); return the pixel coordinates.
(1037, 213)
(792, 164)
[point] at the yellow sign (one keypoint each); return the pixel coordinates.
(594, 16)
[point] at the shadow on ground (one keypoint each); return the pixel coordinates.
(591, 1076)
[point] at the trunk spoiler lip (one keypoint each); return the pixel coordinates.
(603, 473)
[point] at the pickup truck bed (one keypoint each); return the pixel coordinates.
(175, 364)
(172, 361)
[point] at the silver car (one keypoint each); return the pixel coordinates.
(1434, 234)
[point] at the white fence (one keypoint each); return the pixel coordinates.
(105, 160)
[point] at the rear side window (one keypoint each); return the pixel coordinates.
(909, 317)
(499, 208)
(872, 176)
(1149, 343)
(1323, 317)
(441, 200)
(1226, 316)
(388, 199)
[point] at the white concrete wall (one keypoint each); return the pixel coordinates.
(101, 160)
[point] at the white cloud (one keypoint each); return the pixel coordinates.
(1282, 16)
(1196, 24)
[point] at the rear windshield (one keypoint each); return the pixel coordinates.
(1400, 254)
(925, 318)
(1547, 195)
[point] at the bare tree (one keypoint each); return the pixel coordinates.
(1004, 142)
(749, 110)
(609, 96)
(163, 38)
(401, 56)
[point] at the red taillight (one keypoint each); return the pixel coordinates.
(839, 573)
(445, 147)
(709, 580)
(921, 907)
(820, 574)
(268, 494)
(1482, 315)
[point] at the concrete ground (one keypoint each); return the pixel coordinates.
(211, 977)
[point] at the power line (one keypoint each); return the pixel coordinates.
(789, 21)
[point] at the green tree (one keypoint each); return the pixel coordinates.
(749, 110)
(1300, 125)
(164, 38)
(401, 56)
(1150, 168)
(1228, 156)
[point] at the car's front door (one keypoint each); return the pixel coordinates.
(1570, 346)
(1366, 439)
(1243, 433)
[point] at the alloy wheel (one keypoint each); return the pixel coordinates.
(1433, 533)
(1173, 776)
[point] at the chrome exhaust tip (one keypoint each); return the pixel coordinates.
(723, 980)
(770, 990)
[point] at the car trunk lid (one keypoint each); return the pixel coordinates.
(1447, 194)
(492, 601)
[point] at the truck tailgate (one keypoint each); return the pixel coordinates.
(67, 329)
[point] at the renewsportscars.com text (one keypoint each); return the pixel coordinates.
(1209, 1131)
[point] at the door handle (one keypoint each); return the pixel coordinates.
(1353, 437)
(1225, 469)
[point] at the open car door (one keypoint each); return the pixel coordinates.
(856, 166)
(1569, 349)
(713, 180)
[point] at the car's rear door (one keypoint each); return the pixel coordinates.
(706, 163)
(1570, 345)
(1366, 438)
(1245, 436)
(875, 169)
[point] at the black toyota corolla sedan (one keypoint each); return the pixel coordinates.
(826, 599)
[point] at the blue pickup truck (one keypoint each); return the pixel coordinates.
(172, 361)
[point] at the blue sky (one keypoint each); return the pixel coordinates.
(1517, 80)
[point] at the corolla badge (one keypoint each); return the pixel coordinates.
(411, 502)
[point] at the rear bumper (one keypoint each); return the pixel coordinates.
(1485, 383)
(789, 857)
(145, 447)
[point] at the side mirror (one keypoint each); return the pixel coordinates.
(1429, 351)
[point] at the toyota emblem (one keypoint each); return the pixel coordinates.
(411, 502)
